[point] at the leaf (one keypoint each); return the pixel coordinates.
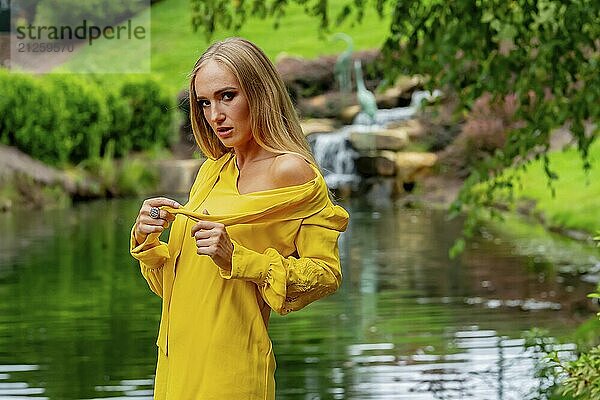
(457, 248)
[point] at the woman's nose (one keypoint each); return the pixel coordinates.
(216, 115)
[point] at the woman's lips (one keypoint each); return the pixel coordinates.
(224, 132)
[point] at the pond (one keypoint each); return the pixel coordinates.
(79, 322)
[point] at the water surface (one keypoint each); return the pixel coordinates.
(77, 320)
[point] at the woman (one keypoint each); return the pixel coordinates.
(259, 233)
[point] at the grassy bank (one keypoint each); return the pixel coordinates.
(175, 47)
(576, 193)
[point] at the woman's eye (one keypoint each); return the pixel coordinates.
(228, 95)
(203, 103)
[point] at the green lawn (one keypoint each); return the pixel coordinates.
(175, 47)
(577, 201)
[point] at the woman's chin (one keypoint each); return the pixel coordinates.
(227, 141)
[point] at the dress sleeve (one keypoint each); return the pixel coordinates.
(152, 255)
(290, 283)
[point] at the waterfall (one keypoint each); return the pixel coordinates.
(334, 153)
(336, 157)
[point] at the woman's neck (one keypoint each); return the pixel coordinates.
(250, 152)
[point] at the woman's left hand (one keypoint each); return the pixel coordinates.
(212, 240)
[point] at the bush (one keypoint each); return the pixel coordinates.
(34, 118)
(152, 113)
(119, 114)
(137, 176)
(87, 115)
(67, 118)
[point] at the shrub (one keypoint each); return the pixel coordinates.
(34, 118)
(137, 176)
(119, 115)
(68, 118)
(152, 113)
(6, 137)
(87, 112)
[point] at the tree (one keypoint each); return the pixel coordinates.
(544, 53)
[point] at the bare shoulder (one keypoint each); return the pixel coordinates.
(291, 170)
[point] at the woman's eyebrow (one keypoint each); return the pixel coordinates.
(218, 92)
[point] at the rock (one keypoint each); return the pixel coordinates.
(318, 125)
(389, 98)
(310, 77)
(412, 166)
(14, 164)
(378, 165)
(390, 139)
(408, 84)
(177, 176)
(5, 204)
(414, 128)
(348, 114)
(328, 105)
(306, 77)
(400, 94)
(14, 161)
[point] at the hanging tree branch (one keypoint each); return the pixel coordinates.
(544, 53)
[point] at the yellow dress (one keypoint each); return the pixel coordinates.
(213, 340)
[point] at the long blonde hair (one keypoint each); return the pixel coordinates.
(273, 119)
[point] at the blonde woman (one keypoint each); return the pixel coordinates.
(259, 233)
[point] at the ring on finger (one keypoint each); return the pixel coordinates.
(154, 212)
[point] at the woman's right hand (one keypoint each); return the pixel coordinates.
(145, 224)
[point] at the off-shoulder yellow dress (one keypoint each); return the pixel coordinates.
(213, 340)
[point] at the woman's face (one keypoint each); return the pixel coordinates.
(224, 105)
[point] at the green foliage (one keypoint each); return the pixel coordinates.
(577, 379)
(33, 118)
(582, 376)
(120, 115)
(125, 177)
(86, 115)
(137, 176)
(152, 111)
(541, 344)
(62, 119)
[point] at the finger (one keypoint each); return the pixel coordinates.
(162, 201)
(205, 242)
(147, 229)
(207, 225)
(154, 222)
(147, 220)
(162, 214)
(207, 250)
(203, 234)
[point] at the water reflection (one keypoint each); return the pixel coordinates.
(78, 322)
